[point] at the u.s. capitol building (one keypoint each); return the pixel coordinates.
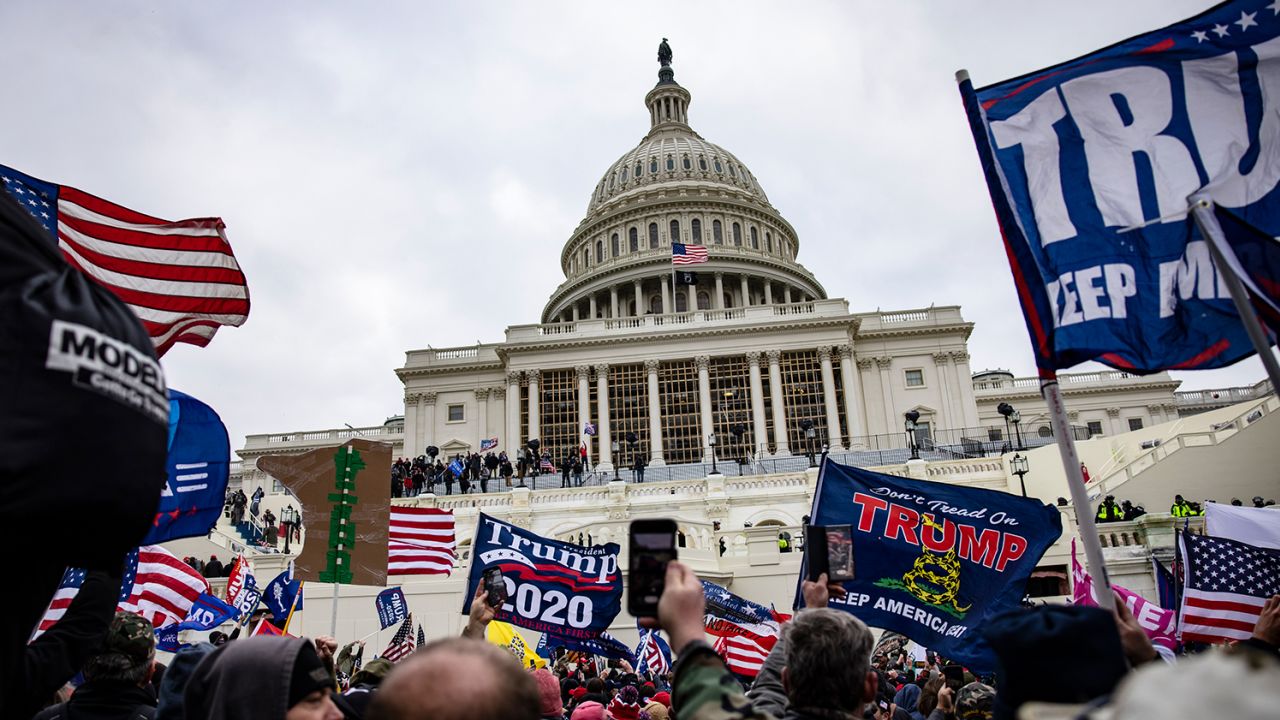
(753, 361)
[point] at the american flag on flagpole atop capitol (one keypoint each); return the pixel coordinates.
(1227, 583)
(421, 541)
(682, 254)
(179, 277)
(156, 585)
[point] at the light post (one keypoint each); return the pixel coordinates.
(810, 432)
(911, 416)
(1019, 466)
(287, 518)
(617, 457)
(535, 460)
(711, 440)
(1011, 415)
(633, 444)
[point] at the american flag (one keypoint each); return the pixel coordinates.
(1227, 584)
(744, 655)
(653, 654)
(180, 278)
(421, 541)
(682, 254)
(745, 631)
(401, 643)
(156, 585)
(422, 636)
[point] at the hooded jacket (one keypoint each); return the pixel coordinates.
(243, 680)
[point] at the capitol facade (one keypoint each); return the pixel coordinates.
(750, 368)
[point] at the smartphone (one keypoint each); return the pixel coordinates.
(954, 675)
(495, 587)
(829, 549)
(652, 545)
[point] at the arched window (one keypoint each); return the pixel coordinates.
(653, 235)
(655, 305)
(727, 300)
(671, 162)
(732, 173)
(1045, 431)
(635, 240)
(704, 301)
(599, 251)
(719, 167)
(675, 231)
(768, 242)
(682, 303)
(737, 234)
(696, 226)
(625, 172)
(639, 170)
(653, 165)
(631, 308)
(702, 163)
(610, 183)
(717, 231)
(586, 258)
(613, 244)
(755, 238)
(688, 164)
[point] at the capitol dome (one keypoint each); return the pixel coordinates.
(676, 187)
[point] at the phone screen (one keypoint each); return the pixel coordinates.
(495, 587)
(954, 675)
(839, 553)
(652, 546)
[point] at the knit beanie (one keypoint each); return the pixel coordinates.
(626, 704)
(309, 674)
(549, 691)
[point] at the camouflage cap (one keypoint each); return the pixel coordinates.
(974, 701)
(130, 634)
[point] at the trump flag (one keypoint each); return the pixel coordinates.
(1090, 165)
(933, 562)
(552, 586)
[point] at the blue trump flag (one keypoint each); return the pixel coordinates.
(198, 466)
(392, 607)
(553, 586)
(1090, 165)
(604, 645)
(283, 593)
(933, 562)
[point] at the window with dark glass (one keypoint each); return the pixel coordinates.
(737, 234)
(613, 244)
(599, 250)
(635, 239)
(457, 413)
(671, 162)
(719, 167)
(625, 172)
(704, 301)
(675, 231)
(682, 304)
(1095, 428)
(653, 165)
(696, 226)
(1135, 423)
(653, 235)
(639, 170)
(702, 163)
(755, 238)
(768, 242)
(732, 173)
(688, 165)
(717, 232)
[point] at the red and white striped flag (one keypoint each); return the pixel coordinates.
(744, 655)
(401, 643)
(179, 277)
(1227, 583)
(682, 254)
(421, 541)
(156, 585)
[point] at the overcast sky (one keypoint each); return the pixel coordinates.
(394, 175)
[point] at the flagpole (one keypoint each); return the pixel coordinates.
(1202, 212)
(293, 606)
(1088, 530)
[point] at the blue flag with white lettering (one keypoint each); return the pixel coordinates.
(392, 607)
(552, 586)
(933, 561)
(1090, 165)
(604, 645)
(198, 466)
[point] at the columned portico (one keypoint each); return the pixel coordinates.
(829, 400)
(779, 408)
(656, 456)
(704, 404)
(605, 427)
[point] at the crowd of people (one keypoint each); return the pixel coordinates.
(824, 665)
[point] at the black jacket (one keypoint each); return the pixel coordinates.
(104, 700)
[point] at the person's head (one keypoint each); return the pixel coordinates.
(828, 661)
(1111, 499)
(1177, 498)
(929, 696)
(595, 686)
(1236, 502)
(457, 678)
(128, 653)
(261, 677)
(551, 705)
(1257, 501)
(975, 701)
(213, 558)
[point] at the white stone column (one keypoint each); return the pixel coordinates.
(946, 380)
(757, 405)
(964, 387)
(534, 429)
(427, 420)
(834, 436)
(1113, 422)
(640, 308)
(482, 415)
(768, 292)
(852, 397)
(513, 441)
(667, 296)
(613, 300)
(605, 425)
(584, 406)
(746, 291)
(591, 307)
(719, 303)
(575, 311)
(704, 404)
(656, 457)
(786, 294)
(891, 413)
(411, 425)
(497, 400)
(779, 408)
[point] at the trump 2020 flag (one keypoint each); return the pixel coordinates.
(1090, 165)
(933, 562)
(553, 586)
(198, 467)
(391, 606)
